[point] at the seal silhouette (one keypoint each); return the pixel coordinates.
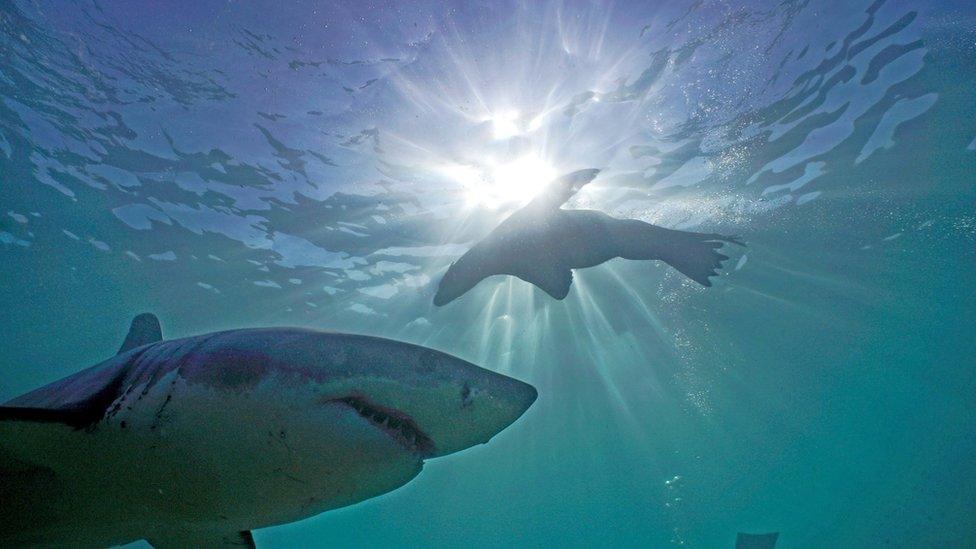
(542, 243)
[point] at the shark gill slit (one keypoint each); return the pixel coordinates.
(393, 422)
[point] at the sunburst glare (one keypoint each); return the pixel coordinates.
(505, 124)
(495, 184)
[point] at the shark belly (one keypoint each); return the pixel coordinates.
(267, 455)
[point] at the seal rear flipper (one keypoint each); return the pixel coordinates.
(203, 538)
(695, 255)
(553, 280)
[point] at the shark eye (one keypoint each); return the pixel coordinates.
(465, 395)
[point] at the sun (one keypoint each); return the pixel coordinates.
(521, 179)
(498, 184)
(505, 124)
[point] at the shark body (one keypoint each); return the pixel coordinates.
(197, 441)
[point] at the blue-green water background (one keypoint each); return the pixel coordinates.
(232, 164)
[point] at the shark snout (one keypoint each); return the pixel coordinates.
(430, 403)
(488, 404)
(516, 398)
(522, 395)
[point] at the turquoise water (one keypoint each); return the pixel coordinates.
(234, 165)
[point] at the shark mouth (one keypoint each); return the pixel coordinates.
(394, 423)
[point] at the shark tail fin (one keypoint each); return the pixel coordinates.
(143, 331)
(756, 541)
(696, 255)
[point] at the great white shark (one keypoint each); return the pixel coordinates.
(542, 243)
(194, 442)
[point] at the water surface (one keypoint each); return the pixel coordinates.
(227, 165)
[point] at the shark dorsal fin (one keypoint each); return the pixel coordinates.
(144, 330)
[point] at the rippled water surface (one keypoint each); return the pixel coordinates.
(229, 164)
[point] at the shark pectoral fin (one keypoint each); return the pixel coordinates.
(13, 469)
(143, 331)
(23, 468)
(26, 490)
(553, 280)
(203, 538)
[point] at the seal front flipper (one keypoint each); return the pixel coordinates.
(561, 189)
(552, 279)
(201, 538)
(694, 255)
